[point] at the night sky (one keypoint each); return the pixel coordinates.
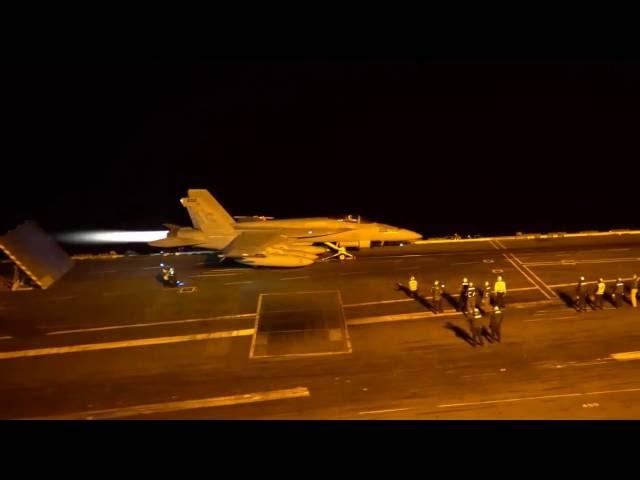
(436, 146)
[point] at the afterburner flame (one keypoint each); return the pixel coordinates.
(112, 236)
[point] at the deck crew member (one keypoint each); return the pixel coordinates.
(500, 289)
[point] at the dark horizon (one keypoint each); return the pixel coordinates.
(438, 147)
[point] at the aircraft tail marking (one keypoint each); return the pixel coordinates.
(206, 213)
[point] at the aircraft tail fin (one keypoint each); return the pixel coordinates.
(207, 214)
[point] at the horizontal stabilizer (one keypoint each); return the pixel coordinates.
(171, 242)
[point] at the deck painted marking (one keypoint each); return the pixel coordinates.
(295, 278)
(239, 283)
(525, 275)
(151, 324)
(302, 355)
(582, 262)
(399, 317)
(514, 261)
(500, 244)
(124, 344)
(222, 269)
(214, 275)
(522, 289)
(535, 276)
(379, 302)
(383, 411)
(573, 284)
(155, 408)
(544, 397)
(552, 318)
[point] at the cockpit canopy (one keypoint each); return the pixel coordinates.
(253, 218)
(350, 219)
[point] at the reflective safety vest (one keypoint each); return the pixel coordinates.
(634, 284)
(620, 287)
(601, 288)
(413, 285)
(500, 287)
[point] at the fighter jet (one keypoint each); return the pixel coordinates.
(265, 242)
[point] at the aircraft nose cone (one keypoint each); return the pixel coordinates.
(412, 235)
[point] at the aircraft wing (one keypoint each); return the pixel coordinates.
(253, 243)
(272, 249)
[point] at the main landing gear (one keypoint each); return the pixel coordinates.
(341, 252)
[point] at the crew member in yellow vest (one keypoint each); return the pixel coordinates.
(500, 289)
(634, 291)
(600, 289)
(413, 286)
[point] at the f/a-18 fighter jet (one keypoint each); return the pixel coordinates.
(265, 242)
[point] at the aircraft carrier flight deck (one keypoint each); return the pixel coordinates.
(333, 340)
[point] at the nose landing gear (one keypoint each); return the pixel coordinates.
(341, 253)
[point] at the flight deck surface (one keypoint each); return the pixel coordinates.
(335, 340)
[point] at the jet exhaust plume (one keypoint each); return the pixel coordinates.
(111, 236)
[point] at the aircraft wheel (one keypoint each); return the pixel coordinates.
(342, 257)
